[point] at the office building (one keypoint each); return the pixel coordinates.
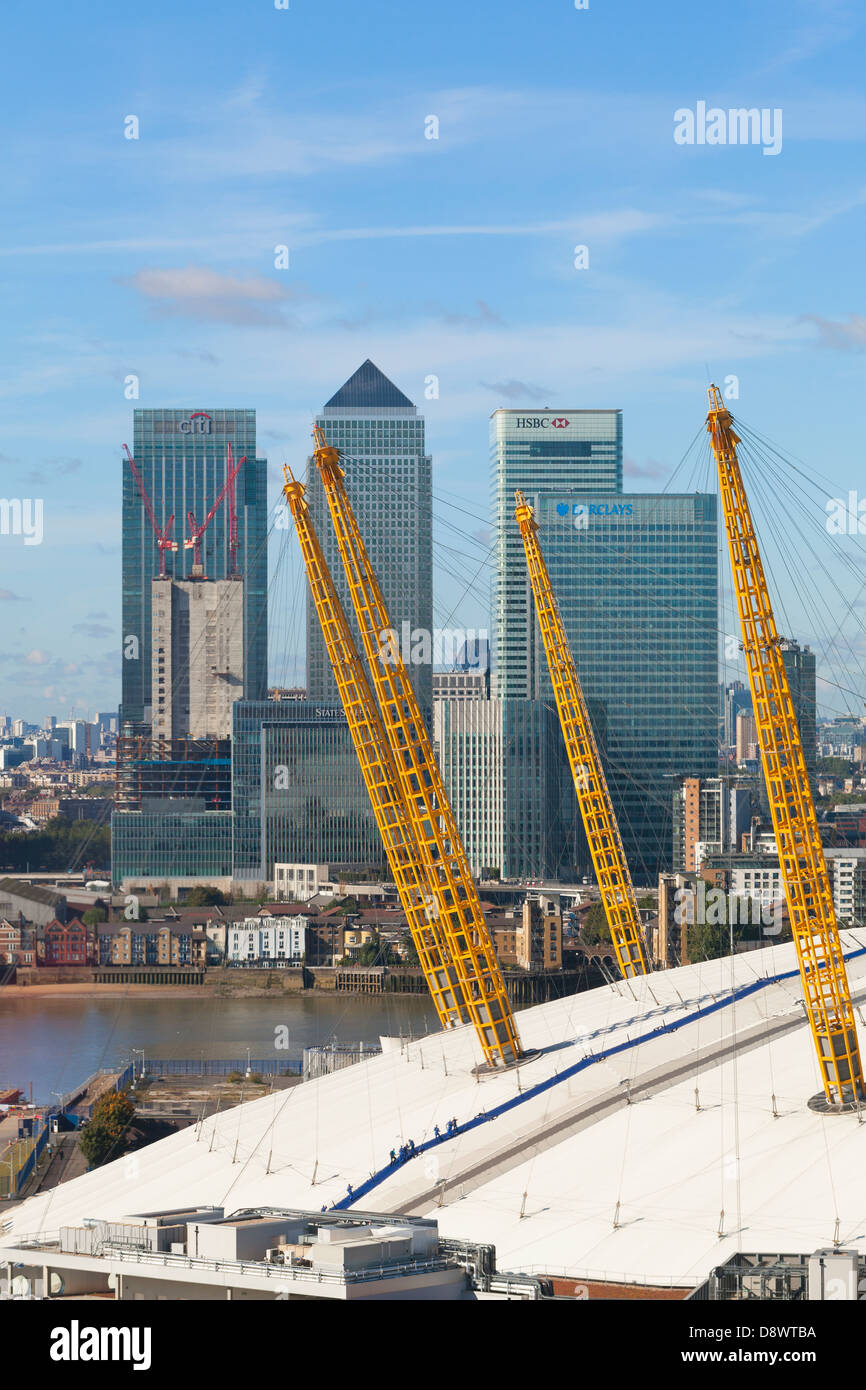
(380, 435)
(747, 747)
(506, 774)
(635, 576)
(539, 452)
(173, 845)
(181, 457)
(734, 698)
(799, 664)
(297, 791)
(461, 685)
(710, 815)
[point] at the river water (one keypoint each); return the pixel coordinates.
(56, 1043)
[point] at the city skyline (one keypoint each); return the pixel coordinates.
(701, 260)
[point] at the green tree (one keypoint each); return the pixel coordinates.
(834, 767)
(94, 915)
(58, 846)
(375, 952)
(594, 929)
(410, 953)
(102, 1136)
(203, 896)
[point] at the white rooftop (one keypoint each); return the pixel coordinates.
(541, 1179)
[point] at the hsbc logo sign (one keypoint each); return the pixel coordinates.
(542, 422)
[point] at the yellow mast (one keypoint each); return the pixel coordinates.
(593, 797)
(801, 854)
(459, 914)
(377, 768)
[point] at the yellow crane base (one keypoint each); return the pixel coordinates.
(486, 1069)
(822, 1106)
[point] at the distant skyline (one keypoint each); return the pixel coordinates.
(451, 258)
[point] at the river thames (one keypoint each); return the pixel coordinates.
(55, 1043)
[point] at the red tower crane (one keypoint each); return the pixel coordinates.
(163, 541)
(196, 530)
(233, 514)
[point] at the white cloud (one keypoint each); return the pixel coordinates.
(202, 293)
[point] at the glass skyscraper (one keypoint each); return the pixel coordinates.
(507, 777)
(635, 575)
(297, 791)
(181, 457)
(389, 481)
(539, 452)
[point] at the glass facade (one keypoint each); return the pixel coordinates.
(297, 791)
(389, 481)
(539, 452)
(507, 777)
(181, 456)
(636, 580)
(152, 846)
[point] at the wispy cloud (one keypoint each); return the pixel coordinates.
(198, 292)
(513, 390)
(649, 470)
(847, 336)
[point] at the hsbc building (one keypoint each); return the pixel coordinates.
(539, 451)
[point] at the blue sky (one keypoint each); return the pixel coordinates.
(261, 127)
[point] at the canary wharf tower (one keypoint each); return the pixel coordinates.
(180, 466)
(380, 435)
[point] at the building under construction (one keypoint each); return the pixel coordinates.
(177, 769)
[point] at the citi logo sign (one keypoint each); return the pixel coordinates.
(198, 423)
(542, 422)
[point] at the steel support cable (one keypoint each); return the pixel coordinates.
(767, 458)
(810, 904)
(807, 599)
(817, 597)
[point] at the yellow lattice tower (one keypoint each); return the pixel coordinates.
(593, 797)
(459, 914)
(378, 770)
(801, 854)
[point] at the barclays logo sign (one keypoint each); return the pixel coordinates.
(582, 511)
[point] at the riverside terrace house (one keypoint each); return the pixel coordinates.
(151, 943)
(65, 943)
(17, 944)
(267, 940)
